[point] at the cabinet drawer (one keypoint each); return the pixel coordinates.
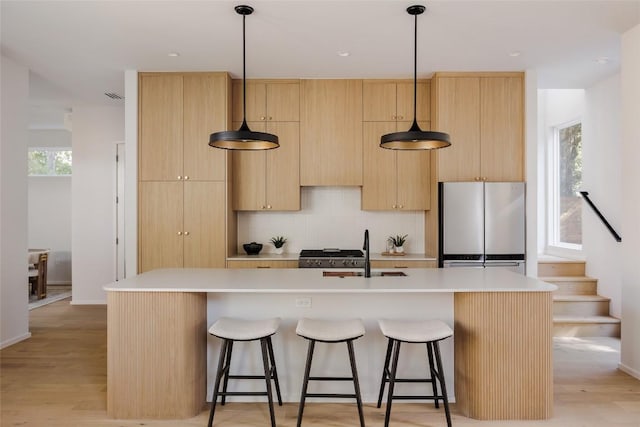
(262, 264)
(400, 263)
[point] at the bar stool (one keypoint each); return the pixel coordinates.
(230, 330)
(414, 331)
(330, 331)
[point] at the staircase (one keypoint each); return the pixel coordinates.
(578, 310)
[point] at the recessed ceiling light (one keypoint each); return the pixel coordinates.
(515, 53)
(603, 60)
(343, 54)
(173, 54)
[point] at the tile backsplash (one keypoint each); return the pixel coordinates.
(330, 218)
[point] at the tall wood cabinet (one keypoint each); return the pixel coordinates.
(394, 180)
(268, 180)
(331, 132)
(182, 189)
(484, 114)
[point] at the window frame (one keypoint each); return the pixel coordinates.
(554, 245)
(50, 166)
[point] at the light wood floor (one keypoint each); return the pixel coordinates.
(58, 378)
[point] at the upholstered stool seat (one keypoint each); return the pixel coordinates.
(230, 330)
(429, 332)
(330, 331)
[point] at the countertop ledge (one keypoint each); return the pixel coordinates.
(288, 280)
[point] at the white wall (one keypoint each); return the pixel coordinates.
(14, 316)
(556, 107)
(601, 147)
(531, 170)
(630, 232)
(49, 210)
(330, 218)
(95, 131)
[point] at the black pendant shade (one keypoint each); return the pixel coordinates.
(415, 138)
(243, 138)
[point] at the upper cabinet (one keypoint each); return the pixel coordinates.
(177, 113)
(390, 101)
(484, 114)
(268, 180)
(394, 179)
(267, 100)
(331, 132)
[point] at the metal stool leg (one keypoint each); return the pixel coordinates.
(267, 378)
(445, 399)
(385, 372)
(226, 375)
(219, 372)
(275, 371)
(432, 374)
(356, 383)
(305, 381)
(392, 379)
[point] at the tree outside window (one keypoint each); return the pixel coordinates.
(49, 162)
(569, 140)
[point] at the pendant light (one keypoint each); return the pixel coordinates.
(243, 138)
(415, 138)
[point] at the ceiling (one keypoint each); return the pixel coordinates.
(78, 50)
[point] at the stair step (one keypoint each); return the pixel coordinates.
(581, 305)
(573, 285)
(580, 298)
(560, 267)
(585, 326)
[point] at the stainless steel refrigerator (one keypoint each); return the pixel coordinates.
(482, 224)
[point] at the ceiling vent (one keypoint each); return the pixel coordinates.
(114, 95)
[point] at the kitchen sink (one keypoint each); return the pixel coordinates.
(360, 273)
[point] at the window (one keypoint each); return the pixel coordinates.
(49, 161)
(566, 182)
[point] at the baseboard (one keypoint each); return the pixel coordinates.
(58, 283)
(15, 340)
(633, 372)
(88, 302)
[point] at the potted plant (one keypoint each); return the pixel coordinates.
(398, 242)
(279, 242)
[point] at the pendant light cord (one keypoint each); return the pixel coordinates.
(244, 76)
(415, 70)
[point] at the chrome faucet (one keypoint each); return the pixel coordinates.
(365, 248)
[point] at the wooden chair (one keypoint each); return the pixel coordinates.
(38, 277)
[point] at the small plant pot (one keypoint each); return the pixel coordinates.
(399, 249)
(279, 250)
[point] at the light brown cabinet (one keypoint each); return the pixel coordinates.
(240, 263)
(182, 188)
(385, 101)
(268, 100)
(394, 180)
(181, 224)
(177, 113)
(331, 132)
(269, 180)
(399, 263)
(484, 114)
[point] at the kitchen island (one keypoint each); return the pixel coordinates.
(500, 366)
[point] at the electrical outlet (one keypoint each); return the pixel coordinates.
(303, 302)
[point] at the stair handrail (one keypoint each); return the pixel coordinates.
(615, 235)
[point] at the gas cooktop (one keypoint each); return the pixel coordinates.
(331, 258)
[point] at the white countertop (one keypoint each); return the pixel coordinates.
(285, 280)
